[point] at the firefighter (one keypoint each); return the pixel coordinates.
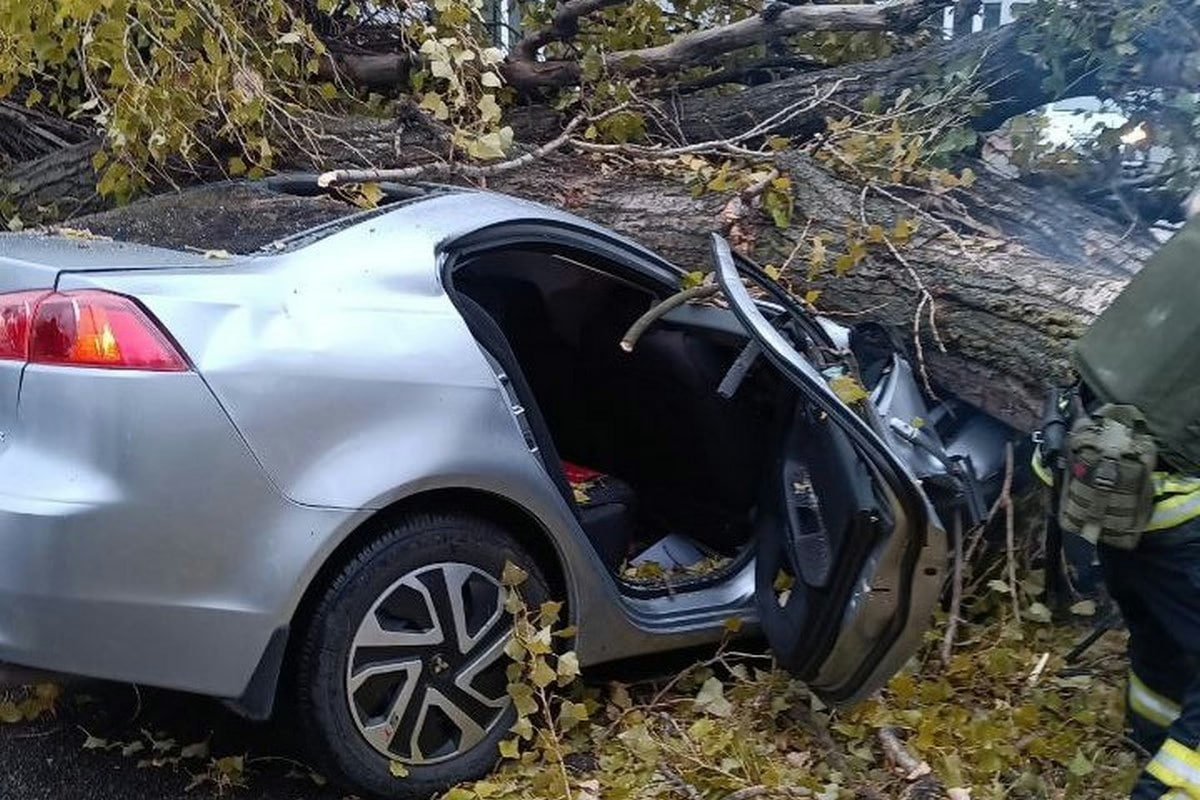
(1128, 482)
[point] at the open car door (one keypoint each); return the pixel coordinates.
(850, 555)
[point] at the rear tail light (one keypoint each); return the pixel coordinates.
(84, 329)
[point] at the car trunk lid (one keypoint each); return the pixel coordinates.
(37, 253)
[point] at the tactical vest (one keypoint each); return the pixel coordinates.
(1176, 497)
(1108, 481)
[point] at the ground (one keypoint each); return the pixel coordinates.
(49, 759)
(1005, 717)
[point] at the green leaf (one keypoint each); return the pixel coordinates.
(571, 714)
(568, 668)
(1084, 608)
(711, 699)
(1080, 765)
(1038, 613)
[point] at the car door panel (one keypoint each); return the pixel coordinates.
(851, 556)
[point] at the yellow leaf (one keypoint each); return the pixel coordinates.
(539, 642)
(811, 296)
(904, 230)
(523, 728)
(510, 748)
(370, 194)
(848, 389)
(711, 699)
(398, 770)
(548, 613)
(9, 713)
(489, 109)
(512, 575)
(514, 650)
(541, 674)
(522, 695)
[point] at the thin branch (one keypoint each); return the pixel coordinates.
(955, 592)
(333, 177)
(733, 144)
(1009, 535)
(630, 339)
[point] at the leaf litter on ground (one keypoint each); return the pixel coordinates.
(1005, 717)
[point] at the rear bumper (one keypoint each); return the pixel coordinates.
(139, 539)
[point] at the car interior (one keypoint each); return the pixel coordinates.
(661, 469)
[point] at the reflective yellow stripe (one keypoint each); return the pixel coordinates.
(1039, 469)
(1150, 705)
(1175, 511)
(1174, 484)
(1178, 767)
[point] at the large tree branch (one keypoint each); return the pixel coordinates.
(563, 26)
(703, 46)
(1012, 78)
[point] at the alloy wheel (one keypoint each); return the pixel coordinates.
(425, 677)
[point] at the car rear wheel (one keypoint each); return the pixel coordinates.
(403, 660)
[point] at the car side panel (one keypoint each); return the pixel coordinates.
(356, 384)
(139, 539)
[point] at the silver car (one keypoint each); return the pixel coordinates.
(294, 477)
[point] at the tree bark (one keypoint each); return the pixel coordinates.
(1006, 306)
(1013, 81)
(63, 179)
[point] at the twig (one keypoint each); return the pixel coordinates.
(732, 144)
(551, 730)
(630, 339)
(916, 772)
(333, 177)
(955, 591)
(678, 783)
(898, 753)
(1036, 675)
(1009, 536)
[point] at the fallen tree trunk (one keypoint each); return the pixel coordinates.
(63, 179)
(1007, 304)
(1009, 296)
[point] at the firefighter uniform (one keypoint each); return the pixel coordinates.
(1157, 587)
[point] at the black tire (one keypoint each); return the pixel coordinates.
(421, 544)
